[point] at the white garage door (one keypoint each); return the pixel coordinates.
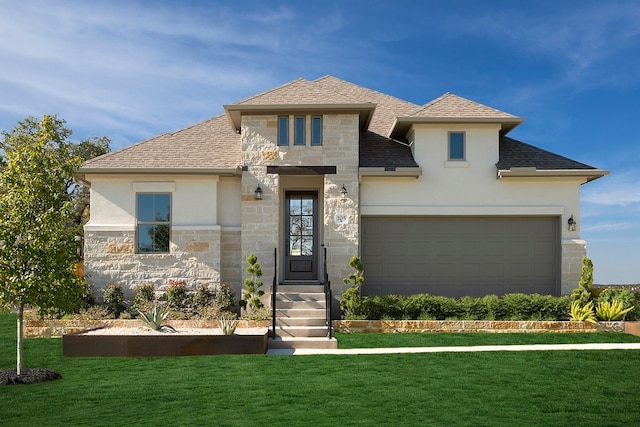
(462, 256)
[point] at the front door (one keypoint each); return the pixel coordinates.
(301, 235)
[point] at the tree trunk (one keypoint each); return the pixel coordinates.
(20, 336)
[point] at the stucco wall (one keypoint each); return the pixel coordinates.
(471, 187)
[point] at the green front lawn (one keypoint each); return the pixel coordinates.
(446, 339)
(530, 388)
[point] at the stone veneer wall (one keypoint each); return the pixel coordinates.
(231, 260)
(573, 250)
(261, 229)
(194, 257)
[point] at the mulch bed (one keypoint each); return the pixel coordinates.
(28, 376)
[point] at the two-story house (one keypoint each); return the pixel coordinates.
(434, 198)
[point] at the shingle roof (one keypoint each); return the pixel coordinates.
(454, 106)
(299, 91)
(517, 154)
(211, 144)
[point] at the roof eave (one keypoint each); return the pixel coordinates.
(235, 112)
(83, 172)
(532, 172)
(408, 172)
(401, 125)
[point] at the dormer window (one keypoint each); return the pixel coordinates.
(456, 146)
(283, 130)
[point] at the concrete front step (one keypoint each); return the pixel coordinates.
(301, 288)
(301, 331)
(300, 304)
(301, 321)
(290, 313)
(293, 343)
(300, 296)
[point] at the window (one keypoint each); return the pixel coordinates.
(316, 130)
(283, 130)
(153, 222)
(298, 138)
(456, 145)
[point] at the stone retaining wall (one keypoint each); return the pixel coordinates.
(391, 326)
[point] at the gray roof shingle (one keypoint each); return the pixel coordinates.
(517, 154)
(212, 145)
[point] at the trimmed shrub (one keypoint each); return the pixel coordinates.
(177, 295)
(114, 299)
(224, 298)
(143, 299)
(351, 303)
(474, 308)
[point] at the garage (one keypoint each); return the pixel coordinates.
(461, 256)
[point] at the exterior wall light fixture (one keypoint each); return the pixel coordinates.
(344, 193)
(572, 223)
(258, 193)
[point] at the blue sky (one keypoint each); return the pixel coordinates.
(133, 69)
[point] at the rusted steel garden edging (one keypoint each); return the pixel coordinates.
(58, 327)
(391, 326)
(79, 345)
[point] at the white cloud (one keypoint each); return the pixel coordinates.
(618, 189)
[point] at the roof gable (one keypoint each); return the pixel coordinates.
(454, 106)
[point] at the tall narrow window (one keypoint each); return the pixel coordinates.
(316, 130)
(283, 130)
(456, 145)
(298, 138)
(153, 222)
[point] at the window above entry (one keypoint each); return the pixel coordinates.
(303, 129)
(456, 146)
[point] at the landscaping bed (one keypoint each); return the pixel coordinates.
(142, 344)
(391, 326)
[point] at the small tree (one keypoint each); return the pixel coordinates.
(351, 300)
(252, 284)
(37, 253)
(584, 292)
(356, 278)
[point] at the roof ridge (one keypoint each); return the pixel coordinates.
(299, 79)
(386, 95)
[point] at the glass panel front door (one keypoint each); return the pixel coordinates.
(301, 213)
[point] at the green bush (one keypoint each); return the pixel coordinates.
(351, 303)
(114, 299)
(143, 298)
(225, 299)
(177, 296)
(624, 296)
(425, 306)
(474, 308)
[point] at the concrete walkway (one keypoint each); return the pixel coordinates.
(397, 350)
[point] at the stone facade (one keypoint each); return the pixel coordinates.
(194, 257)
(261, 219)
(573, 250)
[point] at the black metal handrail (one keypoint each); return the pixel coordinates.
(274, 290)
(327, 294)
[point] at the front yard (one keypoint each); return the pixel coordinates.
(535, 388)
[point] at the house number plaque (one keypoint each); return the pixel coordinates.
(341, 219)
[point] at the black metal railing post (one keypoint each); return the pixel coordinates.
(327, 294)
(274, 290)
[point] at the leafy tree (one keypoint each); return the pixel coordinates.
(37, 253)
(63, 148)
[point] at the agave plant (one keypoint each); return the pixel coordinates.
(611, 310)
(228, 324)
(155, 318)
(583, 313)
